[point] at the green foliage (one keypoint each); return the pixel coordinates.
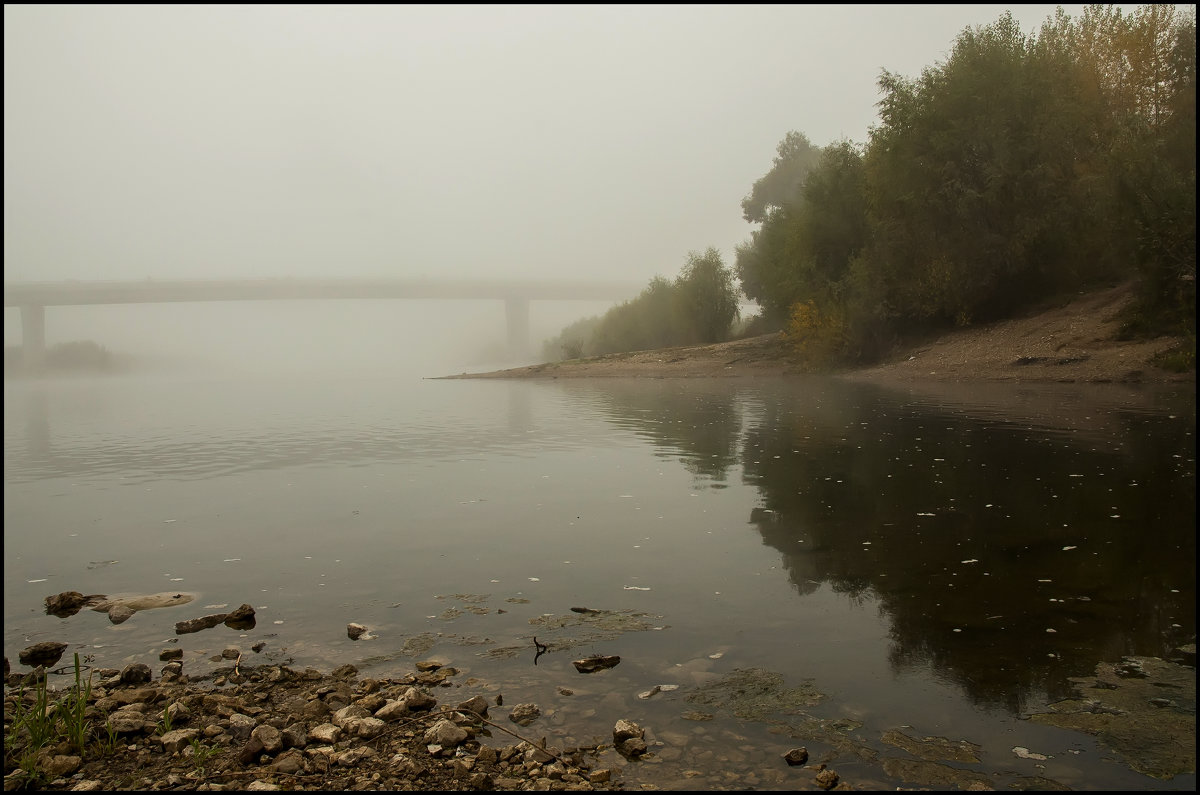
(164, 723)
(779, 187)
(816, 336)
(572, 342)
(45, 723)
(706, 299)
(1022, 166)
(699, 306)
(201, 754)
(804, 249)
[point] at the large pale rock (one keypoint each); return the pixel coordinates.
(176, 740)
(446, 734)
(326, 733)
(121, 608)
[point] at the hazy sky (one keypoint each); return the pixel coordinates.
(457, 141)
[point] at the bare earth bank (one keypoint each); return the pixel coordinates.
(1073, 343)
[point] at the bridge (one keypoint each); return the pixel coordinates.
(32, 298)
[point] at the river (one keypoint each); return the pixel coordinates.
(935, 562)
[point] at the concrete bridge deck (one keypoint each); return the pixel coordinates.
(32, 298)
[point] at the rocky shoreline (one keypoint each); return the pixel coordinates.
(270, 727)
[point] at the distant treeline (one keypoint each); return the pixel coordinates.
(1020, 169)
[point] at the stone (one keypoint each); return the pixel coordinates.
(626, 729)
(241, 618)
(269, 737)
(524, 714)
(600, 662)
(796, 756)
(197, 624)
(46, 653)
(176, 740)
(446, 734)
(68, 603)
(325, 733)
(827, 779)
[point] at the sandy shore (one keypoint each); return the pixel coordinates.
(1071, 343)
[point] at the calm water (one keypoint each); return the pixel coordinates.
(937, 562)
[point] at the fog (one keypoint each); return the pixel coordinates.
(450, 142)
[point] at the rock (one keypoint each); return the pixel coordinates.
(626, 729)
(60, 765)
(346, 671)
(269, 738)
(294, 736)
(172, 672)
(827, 779)
(46, 653)
(446, 734)
(176, 740)
(416, 701)
(598, 663)
(633, 747)
(477, 705)
(326, 733)
(796, 756)
(170, 654)
(241, 618)
(524, 714)
(290, 762)
(128, 721)
(197, 624)
(136, 674)
(240, 726)
(355, 631)
(392, 710)
(68, 603)
(243, 723)
(121, 608)
(346, 714)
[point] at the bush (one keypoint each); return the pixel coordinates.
(815, 336)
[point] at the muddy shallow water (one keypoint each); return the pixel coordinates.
(902, 581)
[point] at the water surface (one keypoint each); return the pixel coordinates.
(937, 561)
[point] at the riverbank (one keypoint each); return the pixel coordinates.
(1075, 342)
(270, 727)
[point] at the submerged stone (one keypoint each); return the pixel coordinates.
(1123, 707)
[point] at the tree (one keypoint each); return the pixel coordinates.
(707, 301)
(779, 187)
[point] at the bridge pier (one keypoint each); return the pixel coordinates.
(516, 313)
(33, 335)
